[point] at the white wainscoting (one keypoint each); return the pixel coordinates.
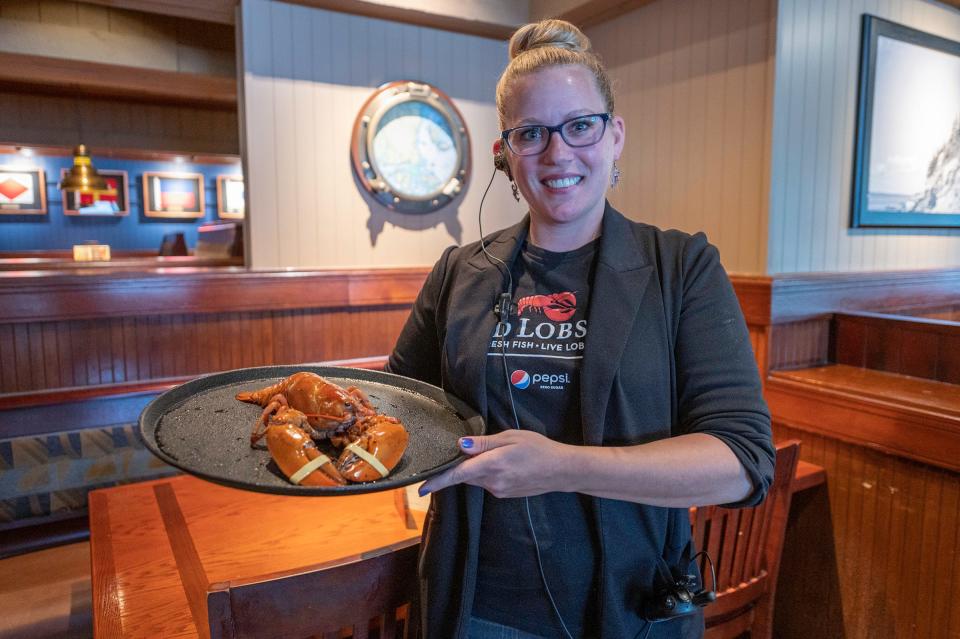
(306, 73)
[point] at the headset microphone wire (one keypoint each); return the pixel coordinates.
(504, 312)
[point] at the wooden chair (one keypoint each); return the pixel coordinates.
(364, 597)
(745, 545)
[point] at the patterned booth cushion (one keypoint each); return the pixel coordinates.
(47, 477)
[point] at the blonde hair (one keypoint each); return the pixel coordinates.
(545, 44)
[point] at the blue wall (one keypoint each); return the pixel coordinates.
(133, 231)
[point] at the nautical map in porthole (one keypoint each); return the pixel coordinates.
(410, 148)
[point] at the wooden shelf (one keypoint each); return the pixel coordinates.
(221, 11)
(94, 79)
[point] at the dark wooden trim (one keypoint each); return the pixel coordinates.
(915, 346)
(805, 296)
(60, 396)
(29, 266)
(37, 536)
(413, 16)
(928, 325)
(594, 12)
(221, 11)
(896, 424)
(104, 579)
(119, 153)
(67, 297)
(98, 80)
(189, 565)
(808, 476)
(67, 254)
(55, 396)
(753, 293)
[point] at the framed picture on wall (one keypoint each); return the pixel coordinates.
(231, 203)
(908, 129)
(173, 194)
(22, 190)
(113, 202)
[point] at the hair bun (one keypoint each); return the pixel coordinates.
(548, 33)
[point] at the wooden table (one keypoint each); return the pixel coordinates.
(156, 546)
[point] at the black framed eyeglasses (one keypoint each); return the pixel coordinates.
(583, 130)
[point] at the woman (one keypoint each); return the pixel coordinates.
(619, 391)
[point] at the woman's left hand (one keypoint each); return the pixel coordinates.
(512, 463)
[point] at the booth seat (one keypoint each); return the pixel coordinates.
(49, 467)
(60, 444)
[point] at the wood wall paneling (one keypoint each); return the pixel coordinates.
(85, 331)
(916, 347)
(799, 344)
(93, 352)
(694, 86)
(813, 129)
(874, 553)
(31, 118)
(897, 550)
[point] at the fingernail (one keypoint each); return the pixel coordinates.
(423, 491)
(466, 442)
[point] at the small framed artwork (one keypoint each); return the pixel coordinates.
(112, 202)
(173, 194)
(230, 197)
(908, 129)
(22, 190)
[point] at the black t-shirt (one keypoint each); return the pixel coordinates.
(543, 350)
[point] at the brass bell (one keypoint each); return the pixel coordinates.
(83, 178)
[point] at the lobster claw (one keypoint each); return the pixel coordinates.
(296, 454)
(371, 448)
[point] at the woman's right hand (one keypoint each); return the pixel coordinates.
(512, 463)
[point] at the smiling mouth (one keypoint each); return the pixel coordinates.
(562, 183)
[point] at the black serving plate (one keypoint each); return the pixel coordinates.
(200, 428)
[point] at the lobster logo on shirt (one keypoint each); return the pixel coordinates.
(556, 306)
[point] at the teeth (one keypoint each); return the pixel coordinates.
(563, 182)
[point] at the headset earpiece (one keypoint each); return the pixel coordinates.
(500, 158)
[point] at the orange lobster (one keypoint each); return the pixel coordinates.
(304, 407)
(328, 407)
(556, 306)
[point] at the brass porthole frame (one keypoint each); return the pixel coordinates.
(365, 166)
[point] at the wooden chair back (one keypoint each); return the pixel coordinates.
(746, 545)
(366, 597)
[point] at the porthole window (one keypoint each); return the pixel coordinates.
(411, 149)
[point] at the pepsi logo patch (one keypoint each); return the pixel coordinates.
(520, 379)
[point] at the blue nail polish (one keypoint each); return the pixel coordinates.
(466, 442)
(423, 491)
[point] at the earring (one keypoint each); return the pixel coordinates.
(516, 191)
(615, 175)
